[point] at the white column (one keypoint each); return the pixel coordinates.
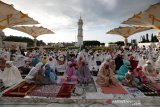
(125, 42)
(35, 42)
(1, 42)
(1, 38)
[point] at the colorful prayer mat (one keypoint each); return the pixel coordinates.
(147, 90)
(91, 87)
(45, 91)
(65, 91)
(118, 89)
(135, 92)
(20, 90)
(64, 80)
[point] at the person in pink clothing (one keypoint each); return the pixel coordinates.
(140, 75)
(71, 72)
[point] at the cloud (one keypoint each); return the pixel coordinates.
(92, 11)
(62, 15)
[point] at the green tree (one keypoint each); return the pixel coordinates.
(143, 39)
(152, 38)
(147, 40)
(155, 38)
(39, 43)
(91, 43)
(102, 44)
(29, 41)
(111, 43)
(120, 43)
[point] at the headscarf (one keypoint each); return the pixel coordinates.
(126, 63)
(149, 63)
(139, 68)
(80, 56)
(51, 62)
(44, 60)
(61, 60)
(20, 61)
(157, 63)
(133, 62)
(10, 63)
(103, 67)
(33, 71)
(47, 70)
(123, 70)
(118, 61)
(11, 75)
(49, 73)
(35, 61)
(70, 71)
(105, 75)
(61, 57)
(84, 74)
(142, 60)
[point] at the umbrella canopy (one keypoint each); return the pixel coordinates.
(7, 9)
(34, 31)
(127, 31)
(149, 17)
(154, 10)
(9, 16)
(136, 19)
(154, 14)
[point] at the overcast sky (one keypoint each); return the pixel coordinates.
(61, 16)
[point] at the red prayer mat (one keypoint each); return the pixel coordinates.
(118, 89)
(45, 91)
(65, 91)
(20, 90)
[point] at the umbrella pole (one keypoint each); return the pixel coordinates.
(35, 42)
(1, 39)
(1, 42)
(125, 42)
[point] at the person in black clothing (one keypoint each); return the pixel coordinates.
(22, 51)
(118, 61)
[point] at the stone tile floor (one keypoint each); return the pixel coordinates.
(91, 99)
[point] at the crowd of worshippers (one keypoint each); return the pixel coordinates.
(130, 67)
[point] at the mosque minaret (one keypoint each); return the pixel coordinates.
(80, 32)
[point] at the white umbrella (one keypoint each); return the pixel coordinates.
(154, 14)
(127, 31)
(149, 18)
(9, 16)
(34, 31)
